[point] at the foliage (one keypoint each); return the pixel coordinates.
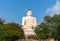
(11, 32)
(49, 28)
(42, 31)
(32, 37)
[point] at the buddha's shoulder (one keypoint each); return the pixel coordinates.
(34, 17)
(24, 17)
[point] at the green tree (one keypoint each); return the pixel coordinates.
(42, 31)
(54, 22)
(11, 32)
(50, 27)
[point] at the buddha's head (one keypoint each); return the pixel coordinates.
(29, 13)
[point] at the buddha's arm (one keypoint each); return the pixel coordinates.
(35, 22)
(23, 20)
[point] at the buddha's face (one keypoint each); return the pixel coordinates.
(29, 13)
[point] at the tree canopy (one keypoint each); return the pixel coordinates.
(49, 28)
(11, 32)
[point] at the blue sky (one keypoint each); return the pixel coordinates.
(14, 10)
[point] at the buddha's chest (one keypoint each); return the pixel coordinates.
(29, 20)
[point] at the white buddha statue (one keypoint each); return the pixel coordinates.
(28, 22)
